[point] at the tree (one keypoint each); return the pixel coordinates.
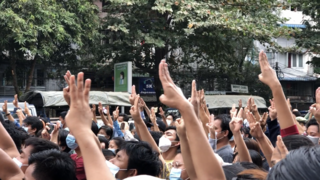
(48, 32)
(212, 34)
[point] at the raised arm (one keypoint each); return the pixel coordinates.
(7, 144)
(26, 109)
(153, 119)
(79, 120)
(269, 77)
(235, 126)
(173, 97)
(7, 112)
(93, 109)
(9, 169)
(185, 149)
(163, 117)
(103, 118)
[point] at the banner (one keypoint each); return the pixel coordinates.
(123, 77)
(146, 86)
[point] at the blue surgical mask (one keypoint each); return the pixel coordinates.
(25, 128)
(71, 142)
(113, 150)
(175, 174)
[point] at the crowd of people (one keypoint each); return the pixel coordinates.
(243, 144)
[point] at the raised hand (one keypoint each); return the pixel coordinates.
(272, 110)
(153, 115)
(15, 101)
(173, 96)
(233, 110)
(268, 75)
(132, 95)
(79, 116)
(161, 112)
(5, 107)
(279, 152)
(263, 121)
(181, 128)
(253, 107)
(255, 128)
(116, 113)
(195, 98)
(236, 122)
(240, 103)
(94, 108)
(26, 109)
(100, 108)
(66, 90)
(135, 111)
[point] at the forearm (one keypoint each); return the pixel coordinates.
(94, 117)
(93, 159)
(110, 119)
(284, 114)
(187, 157)
(155, 125)
(7, 144)
(9, 170)
(266, 148)
(10, 118)
(243, 152)
(206, 160)
(145, 135)
(104, 119)
(54, 138)
(147, 110)
(164, 120)
(257, 115)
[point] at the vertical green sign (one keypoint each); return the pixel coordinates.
(122, 77)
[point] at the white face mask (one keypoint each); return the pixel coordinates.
(26, 129)
(315, 140)
(164, 144)
(19, 163)
(113, 168)
(168, 122)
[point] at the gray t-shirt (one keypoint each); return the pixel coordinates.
(226, 152)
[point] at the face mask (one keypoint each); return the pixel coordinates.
(168, 122)
(175, 174)
(113, 150)
(219, 138)
(113, 168)
(101, 135)
(164, 144)
(19, 163)
(67, 129)
(71, 142)
(315, 140)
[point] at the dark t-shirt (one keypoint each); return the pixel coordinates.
(80, 173)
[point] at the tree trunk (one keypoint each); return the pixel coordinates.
(14, 74)
(30, 76)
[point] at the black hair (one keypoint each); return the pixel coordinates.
(17, 134)
(104, 140)
(142, 158)
(252, 174)
(231, 171)
(155, 135)
(299, 164)
(175, 129)
(108, 130)
(107, 152)
(63, 114)
(52, 165)
(256, 158)
(225, 120)
(125, 117)
(312, 122)
(246, 131)
(161, 125)
(293, 142)
(118, 141)
(35, 122)
(39, 144)
(249, 165)
(94, 128)
(174, 117)
(62, 139)
(251, 144)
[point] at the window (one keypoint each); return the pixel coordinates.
(297, 60)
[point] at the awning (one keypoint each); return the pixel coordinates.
(55, 98)
(303, 78)
(294, 25)
(226, 101)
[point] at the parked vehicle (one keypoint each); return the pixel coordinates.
(12, 109)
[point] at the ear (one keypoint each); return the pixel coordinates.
(34, 130)
(226, 133)
(133, 172)
(63, 148)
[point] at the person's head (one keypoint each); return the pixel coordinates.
(161, 125)
(246, 132)
(296, 113)
(169, 139)
(293, 142)
(313, 128)
(104, 142)
(18, 135)
(115, 143)
(123, 117)
(137, 158)
(170, 119)
(32, 125)
(50, 165)
(252, 144)
(249, 165)
(299, 164)
(94, 128)
(221, 125)
(33, 145)
(62, 118)
(231, 171)
(256, 158)
(178, 167)
(108, 154)
(62, 141)
(106, 131)
(252, 174)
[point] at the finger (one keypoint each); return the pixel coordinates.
(87, 88)
(250, 117)
(168, 73)
(133, 90)
(73, 88)
(67, 80)
(43, 124)
(80, 84)
(117, 109)
(194, 90)
(162, 76)
(240, 113)
(136, 101)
